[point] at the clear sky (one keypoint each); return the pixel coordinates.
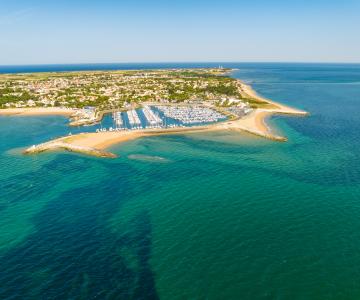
(40, 32)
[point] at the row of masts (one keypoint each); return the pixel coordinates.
(132, 120)
(191, 115)
(151, 117)
(133, 117)
(118, 119)
(171, 117)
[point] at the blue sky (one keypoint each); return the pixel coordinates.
(40, 32)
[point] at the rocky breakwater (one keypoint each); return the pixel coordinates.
(61, 145)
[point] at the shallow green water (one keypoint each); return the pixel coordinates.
(210, 216)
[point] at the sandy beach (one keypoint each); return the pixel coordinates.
(37, 111)
(278, 108)
(103, 140)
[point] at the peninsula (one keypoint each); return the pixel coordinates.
(142, 103)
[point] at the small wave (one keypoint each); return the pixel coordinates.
(148, 158)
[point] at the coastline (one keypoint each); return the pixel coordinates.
(96, 143)
(279, 108)
(37, 111)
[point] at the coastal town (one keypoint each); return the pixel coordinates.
(90, 94)
(119, 89)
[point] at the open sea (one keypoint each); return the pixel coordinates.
(200, 216)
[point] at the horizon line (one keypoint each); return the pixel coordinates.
(177, 62)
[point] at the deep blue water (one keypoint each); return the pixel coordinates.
(320, 70)
(211, 216)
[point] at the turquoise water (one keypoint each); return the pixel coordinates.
(210, 216)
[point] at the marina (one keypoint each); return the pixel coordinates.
(191, 115)
(134, 119)
(118, 120)
(152, 117)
